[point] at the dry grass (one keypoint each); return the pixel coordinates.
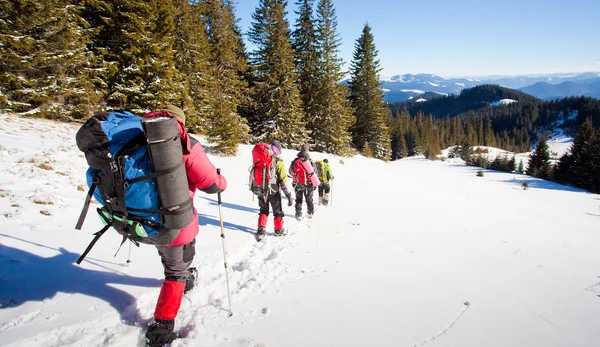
(2, 148)
(42, 202)
(15, 205)
(3, 193)
(7, 214)
(45, 166)
(81, 188)
(46, 213)
(61, 173)
(342, 161)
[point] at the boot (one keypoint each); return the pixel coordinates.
(298, 215)
(325, 199)
(191, 281)
(261, 232)
(160, 332)
(280, 232)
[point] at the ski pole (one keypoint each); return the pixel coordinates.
(224, 252)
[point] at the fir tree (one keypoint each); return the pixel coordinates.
(279, 107)
(521, 169)
(581, 167)
(147, 77)
(192, 60)
(44, 65)
(367, 98)
(332, 114)
(229, 88)
(304, 42)
(539, 161)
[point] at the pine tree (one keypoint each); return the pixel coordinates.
(304, 42)
(225, 127)
(521, 169)
(539, 161)
(147, 77)
(332, 114)
(192, 60)
(583, 156)
(279, 107)
(44, 65)
(367, 98)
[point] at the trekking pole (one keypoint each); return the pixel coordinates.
(129, 256)
(224, 253)
(331, 193)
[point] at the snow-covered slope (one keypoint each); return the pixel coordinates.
(410, 253)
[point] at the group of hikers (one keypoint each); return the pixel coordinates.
(114, 154)
(274, 179)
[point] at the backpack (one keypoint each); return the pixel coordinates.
(321, 171)
(299, 175)
(263, 178)
(122, 180)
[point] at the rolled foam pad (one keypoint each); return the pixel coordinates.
(162, 134)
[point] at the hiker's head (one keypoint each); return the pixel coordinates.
(325, 160)
(175, 111)
(276, 147)
(305, 147)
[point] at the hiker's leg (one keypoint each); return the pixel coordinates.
(310, 206)
(299, 192)
(264, 212)
(275, 201)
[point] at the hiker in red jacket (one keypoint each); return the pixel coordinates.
(178, 255)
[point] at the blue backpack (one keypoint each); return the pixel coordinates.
(120, 178)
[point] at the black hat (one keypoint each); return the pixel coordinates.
(325, 160)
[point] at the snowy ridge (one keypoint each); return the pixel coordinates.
(404, 244)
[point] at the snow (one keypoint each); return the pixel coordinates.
(410, 97)
(385, 90)
(410, 253)
(460, 84)
(434, 84)
(503, 102)
(440, 93)
(421, 100)
(418, 91)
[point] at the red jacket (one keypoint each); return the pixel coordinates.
(201, 175)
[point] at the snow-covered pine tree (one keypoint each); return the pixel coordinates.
(305, 57)
(367, 99)
(147, 77)
(332, 112)
(225, 126)
(278, 103)
(192, 60)
(44, 65)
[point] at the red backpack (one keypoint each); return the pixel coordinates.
(299, 173)
(262, 176)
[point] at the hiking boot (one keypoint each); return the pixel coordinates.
(191, 281)
(261, 232)
(160, 332)
(280, 232)
(310, 215)
(299, 216)
(321, 200)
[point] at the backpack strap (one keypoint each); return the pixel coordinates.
(98, 234)
(86, 206)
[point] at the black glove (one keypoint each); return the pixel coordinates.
(314, 188)
(161, 332)
(289, 196)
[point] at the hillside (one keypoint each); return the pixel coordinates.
(470, 99)
(496, 266)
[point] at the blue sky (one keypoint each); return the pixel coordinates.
(468, 37)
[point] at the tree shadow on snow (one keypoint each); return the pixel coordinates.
(29, 277)
(543, 184)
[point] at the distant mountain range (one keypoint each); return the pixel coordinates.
(552, 86)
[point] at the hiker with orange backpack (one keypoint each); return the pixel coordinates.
(267, 180)
(305, 181)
